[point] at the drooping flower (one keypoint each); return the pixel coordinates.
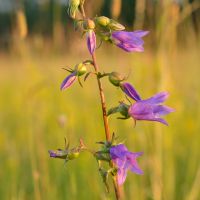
(91, 41)
(149, 109)
(69, 80)
(129, 41)
(124, 161)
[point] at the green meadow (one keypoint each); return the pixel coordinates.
(35, 116)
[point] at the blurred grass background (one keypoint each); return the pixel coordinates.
(36, 40)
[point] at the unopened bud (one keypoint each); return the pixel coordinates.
(115, 78)
(58, 153)
(102, 20)
(123, 109)
(73, 155)
(115, 26)
(73, 7)
(88, 24)
(80, 69)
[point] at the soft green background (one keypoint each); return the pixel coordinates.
(35, 117)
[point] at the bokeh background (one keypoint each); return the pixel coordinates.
(37, 39)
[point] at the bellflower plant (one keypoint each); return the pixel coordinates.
(113, 158)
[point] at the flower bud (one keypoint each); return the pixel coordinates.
(73, 7)
(115, 78)
(80, 69)
(88, 24)
(91, 41)
(115, 26)
(102, 20)
(73, 155)
(123, 109)
(58, 153)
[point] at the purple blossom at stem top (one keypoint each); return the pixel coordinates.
(149, 109)
(129, 41)
(124, 161)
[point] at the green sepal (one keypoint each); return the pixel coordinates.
(115, 26)
(87, 75)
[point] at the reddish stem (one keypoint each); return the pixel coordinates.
(104, 112)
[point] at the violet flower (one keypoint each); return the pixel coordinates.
(149, 109)
(129, 41)
(69, 80)
(91, 41)
(124, 161)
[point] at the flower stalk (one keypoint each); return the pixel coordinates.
(104, 111)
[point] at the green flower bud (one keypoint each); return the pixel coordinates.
(115, 78)
(102, 20)
(115, 26)
(73, 155)
(73, 7)
(123, 109)
(80, 69)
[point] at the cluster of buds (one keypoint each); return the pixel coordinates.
(68, 154)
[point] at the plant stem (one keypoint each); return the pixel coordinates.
(105, 120)
(103, 103)
(104, 112)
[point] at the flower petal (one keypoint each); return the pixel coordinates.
(140, 110)
(149, 112)
(91, 41)
(130, 91)
(52, 154)
(157, 98)
(118, 151)
(162, 110)
(140, 33)
(129, 41)
(68, 81)
(134, 167)
(161, 120)
(121, 175)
